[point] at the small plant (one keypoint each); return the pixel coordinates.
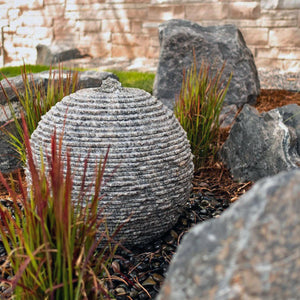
(198, 108)
(35, 102)
(51, 242)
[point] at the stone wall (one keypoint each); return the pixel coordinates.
(128, 28)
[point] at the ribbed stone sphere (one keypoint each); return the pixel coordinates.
(149, 152)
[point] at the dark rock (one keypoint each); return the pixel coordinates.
(89, 79)
(214, 45)
(291, 118)
(9, 158)
(250, 252)
(56, 53)
(86, 79)
(227, 115)
(8, 87)
(261, 145)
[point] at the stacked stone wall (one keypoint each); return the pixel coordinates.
(128, 28)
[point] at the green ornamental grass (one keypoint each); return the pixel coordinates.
(50, 242)
(35, 102)
(198, 108)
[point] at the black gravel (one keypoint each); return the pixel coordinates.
(144, 270)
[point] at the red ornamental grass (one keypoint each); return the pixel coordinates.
(198, 108)
(53, 244)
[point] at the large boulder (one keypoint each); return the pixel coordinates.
(9, 159)
(214, 45)
(250, 252)
(263, 144)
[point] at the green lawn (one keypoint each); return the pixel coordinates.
(135, 79)
(15, 71)
(127, 78)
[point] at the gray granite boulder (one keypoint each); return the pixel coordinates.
(214, 45)
(9, 158)
(150, 157)
(56, 53)
(251, 252)
(264, 144)
(291, 118)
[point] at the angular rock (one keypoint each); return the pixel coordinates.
(227, 115)
(56, 53)
(250, 252)
(214, 45)
(264, 144)
(86, 79)
(9, 158)
(7, 87)
(291, 118)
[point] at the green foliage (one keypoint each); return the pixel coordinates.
(35, 101)
(198, 108)
(134, 79)
(15, 71)
(142, 80)
(51, 242)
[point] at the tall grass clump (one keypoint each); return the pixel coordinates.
(198, 108)
(49, 240)
(35, 101)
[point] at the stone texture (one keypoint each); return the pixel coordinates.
(291, 118)
(165, 12)
(227, 115)
(250, 252)
(244, 10)
(255, 36)
(73, 21)
(8, 158)
(149, 148)
(213, 44)
(47, 55)
(264, 144)
(269, 4)
(285, 37)
(206, 11)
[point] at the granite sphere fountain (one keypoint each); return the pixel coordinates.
(148, 149)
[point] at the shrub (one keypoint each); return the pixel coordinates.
(198, 108)
(36, 101)
(51, 242)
